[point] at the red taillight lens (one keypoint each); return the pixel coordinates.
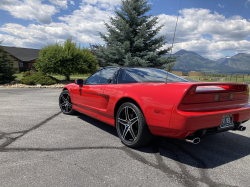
(192, 90)
(246, 88)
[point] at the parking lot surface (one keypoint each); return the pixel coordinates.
(40, 146)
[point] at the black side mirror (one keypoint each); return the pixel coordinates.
(79, 81)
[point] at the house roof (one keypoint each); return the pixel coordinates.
(23, 54)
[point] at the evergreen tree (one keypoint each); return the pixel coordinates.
(132, 38)
(6, 67)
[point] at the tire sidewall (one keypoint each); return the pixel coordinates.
(141, 124)
(66, 92)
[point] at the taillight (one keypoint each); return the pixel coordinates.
(246, 88)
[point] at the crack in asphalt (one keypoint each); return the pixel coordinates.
(185, 177)
(9, 140)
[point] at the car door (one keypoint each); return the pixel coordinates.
(89, 96)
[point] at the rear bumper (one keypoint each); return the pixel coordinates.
(183, 124)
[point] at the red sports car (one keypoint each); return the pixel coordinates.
(142, 102)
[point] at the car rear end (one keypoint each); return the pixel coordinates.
(208, 108)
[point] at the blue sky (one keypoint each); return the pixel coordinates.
(213, 29)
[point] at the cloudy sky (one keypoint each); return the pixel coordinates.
(213, 29)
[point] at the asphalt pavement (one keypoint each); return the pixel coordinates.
(40, 146)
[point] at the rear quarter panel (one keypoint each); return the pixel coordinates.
(151, 96)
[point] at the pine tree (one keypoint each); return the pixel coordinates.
(6, 67)
(131, 38)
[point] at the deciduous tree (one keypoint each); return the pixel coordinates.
(65, 59)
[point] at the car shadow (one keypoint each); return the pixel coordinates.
(213, 151)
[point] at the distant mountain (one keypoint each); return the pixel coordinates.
(191, 61)
(240, 61)
(223, 60)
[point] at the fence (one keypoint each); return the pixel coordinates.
(225, 77)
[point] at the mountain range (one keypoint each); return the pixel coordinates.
(191, 61)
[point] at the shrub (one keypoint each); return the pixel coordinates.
(38, 78)
(27, 73)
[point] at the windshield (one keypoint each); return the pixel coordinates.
(144, 75)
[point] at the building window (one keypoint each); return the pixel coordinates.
(21, 64)
(29, 65)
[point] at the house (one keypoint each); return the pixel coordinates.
(23, 58)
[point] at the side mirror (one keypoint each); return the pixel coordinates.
(79, 81)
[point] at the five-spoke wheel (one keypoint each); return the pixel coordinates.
(128, 124)
(65, 103)
(131, 126)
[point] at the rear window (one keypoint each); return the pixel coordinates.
(146, 75)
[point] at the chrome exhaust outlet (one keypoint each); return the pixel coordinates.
(194, 141)
(241, 128)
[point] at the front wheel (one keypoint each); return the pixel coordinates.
(65, 103)
(131, 126)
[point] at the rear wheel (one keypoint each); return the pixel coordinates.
(131, 126)
(65, 103)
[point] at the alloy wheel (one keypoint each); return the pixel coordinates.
(128, 124)
(65, 103)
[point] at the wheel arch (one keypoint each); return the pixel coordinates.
(124, 100)
(65, 89)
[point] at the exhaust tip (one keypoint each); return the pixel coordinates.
(194, 141)
(242, 128)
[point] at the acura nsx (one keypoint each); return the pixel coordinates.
(142, 102)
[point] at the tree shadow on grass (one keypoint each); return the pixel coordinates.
(213, 151)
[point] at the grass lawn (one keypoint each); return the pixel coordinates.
(72, 77)
(59, 77)
(233, 79)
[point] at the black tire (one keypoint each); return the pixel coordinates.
(131, 132)
(65, 103)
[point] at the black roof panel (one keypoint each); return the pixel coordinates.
(23, 54)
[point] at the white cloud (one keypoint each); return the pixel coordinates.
(30, 10)
(248, 1)
(199, 30)
(60, 3)
(221, 6)
(226, 33)
(7, 2)
(34, 9)
(83, 25)
(94, 2)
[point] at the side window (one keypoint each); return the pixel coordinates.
(126, 77)
(102, 77)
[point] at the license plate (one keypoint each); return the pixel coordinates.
(227, 121)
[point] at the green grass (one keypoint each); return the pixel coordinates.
(72, 77)
(199, 79)
(60, 77)
(225, 79)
